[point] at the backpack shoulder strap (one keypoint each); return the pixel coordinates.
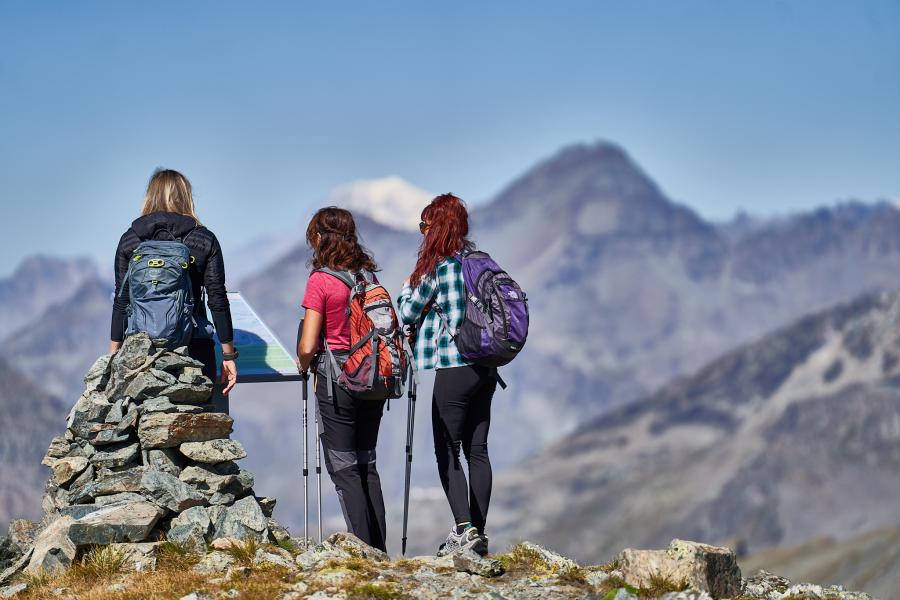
(344, 276)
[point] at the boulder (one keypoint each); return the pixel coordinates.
(145, 385)
(198, 515)
(555, 563)
(53, 550)
(116, 523)
(139, 557)
(103, 434)
(168, 491)
(213, 451)
(59, 447)
(12, 590)
(274, 556)
(701, 566)
(244, 520)
(167, 430)
(469, 562)
(174, 363)
(267, 505)
(118, 498)
(98, 375)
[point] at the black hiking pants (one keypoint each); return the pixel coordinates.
(349, 430)
(204, 350)
(460, 418)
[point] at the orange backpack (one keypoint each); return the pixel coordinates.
(376, 366)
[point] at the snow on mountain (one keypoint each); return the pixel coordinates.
(391, 201)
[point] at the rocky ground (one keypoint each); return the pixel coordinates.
(145, 500)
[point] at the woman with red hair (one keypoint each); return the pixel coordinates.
(461, 404)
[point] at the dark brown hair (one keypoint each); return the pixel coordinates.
(338, 248)
(447, 234)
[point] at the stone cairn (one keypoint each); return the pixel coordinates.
(144, 458)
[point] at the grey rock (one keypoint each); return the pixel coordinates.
(354, 546)
(164, 377)
(17, 566)
(206, 478)
(244, 520)
(277, 533)
(167, 430)
(213, 451)
(116, 523)
(144, 385)
(190, 536)
(274, 556)
(53, 550)
(118, 498)
(108, 433)
(77, 511)
(113, 483)
(218, 498)
(166, 460)
(215, 562)
(133, 353)
(18, 540)
(68, 468)
(555, 563)
(194, 376)
(686, 595)
(172, 362)
(316, 556)
(623, 594)
(197, 515)
(765, 585)
(117, 411)
(164, 405)
(117, 455)
(197, 596)
(217, 520)
(91, 408)
(469, 562)
(98, 375)
(12, 590)
(185, 393)
(168, 491)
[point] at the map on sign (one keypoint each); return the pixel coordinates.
(262, 357)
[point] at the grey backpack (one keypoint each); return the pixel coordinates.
(161, 302)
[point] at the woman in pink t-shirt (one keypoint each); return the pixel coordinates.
(349, 425)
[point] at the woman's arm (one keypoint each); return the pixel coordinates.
(309, 339)
(412, 302)
(217, 301)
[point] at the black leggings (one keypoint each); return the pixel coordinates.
(204, 350)
(349, 430)
(461, 417)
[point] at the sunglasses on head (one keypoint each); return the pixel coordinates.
(423, 226)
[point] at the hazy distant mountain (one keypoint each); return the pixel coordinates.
(391, 201)
(60, 344)
(869, 561)
(38, 282)
(30, 418)
(792, 437)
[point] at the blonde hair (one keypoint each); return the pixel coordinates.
(169, 191)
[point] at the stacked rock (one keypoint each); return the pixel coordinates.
(145, 458)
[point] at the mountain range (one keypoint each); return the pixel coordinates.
(628, 290)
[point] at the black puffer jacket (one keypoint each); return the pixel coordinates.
(208, 270)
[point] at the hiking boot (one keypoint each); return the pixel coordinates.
(482, 549)
(468, 539)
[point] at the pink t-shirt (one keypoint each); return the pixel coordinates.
(328, 296)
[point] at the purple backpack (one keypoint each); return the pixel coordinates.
(495, 327)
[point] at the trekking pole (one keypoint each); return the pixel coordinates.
(304, 376)
(410, 429)
(319, 473)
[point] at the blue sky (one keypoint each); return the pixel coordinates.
(765, 106)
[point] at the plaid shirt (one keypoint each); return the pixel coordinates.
(435, 349)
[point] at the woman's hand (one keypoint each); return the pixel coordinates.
(228, 376)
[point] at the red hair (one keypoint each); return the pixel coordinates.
(448, 230)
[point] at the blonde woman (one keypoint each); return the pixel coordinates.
(168, 214)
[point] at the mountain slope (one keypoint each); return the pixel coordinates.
(30, 418)
(37, 283)
(870, 561)
(61, 343)
(794, 436)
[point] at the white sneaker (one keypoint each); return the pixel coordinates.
(468, 539)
